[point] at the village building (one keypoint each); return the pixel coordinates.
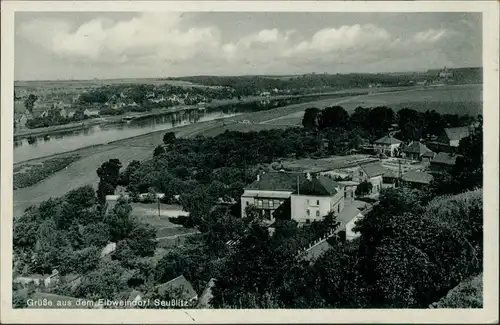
(443, 161)
(269, 191)
(89, 113)
(108, 250)
(428, 156)
(416, 179)
(372, 172)
(452, 136)
(178, 288)
(387, 145)
(315, 197)
(416, 150)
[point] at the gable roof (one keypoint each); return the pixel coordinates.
(348, 213)
(430, 154)
(277, 181)
(317, 250)
(417, 147)
(444, 158)
(417, 177)
(457, 133)
(318, 186)
(388, 140)
(179, 283)
(375, 169)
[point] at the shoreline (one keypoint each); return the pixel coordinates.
(55, 129)
(201, 124)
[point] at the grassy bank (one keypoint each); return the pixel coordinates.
(28, 175)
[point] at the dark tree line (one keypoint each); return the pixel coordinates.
(373, 123)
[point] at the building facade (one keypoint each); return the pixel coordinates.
(387, 145)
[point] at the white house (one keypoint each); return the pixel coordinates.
(90, 113)
(387, 145)
(309, 197)
(316, 197)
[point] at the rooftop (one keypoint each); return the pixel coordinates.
(457, 133)
(417, 147)
(277, 181)
(348, 213)
(388, 140)
(376, 169)
(417, 177)
(445, 158)
(179, 283)
(319, 186)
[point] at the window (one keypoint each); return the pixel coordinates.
(259, 203)
(360, 173)
(248, 203)
(308, 212)
(308, 221)
(345, 194)
(271, 204)
(338, 208)
(317, 213)
(317, 202)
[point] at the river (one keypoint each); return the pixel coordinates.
(41, 146)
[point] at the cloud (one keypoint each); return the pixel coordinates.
(151, 40)
(155, 36)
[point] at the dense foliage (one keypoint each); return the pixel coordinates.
(379, 121)
(67, 234)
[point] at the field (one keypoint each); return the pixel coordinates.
(315, 165)
(462, 100)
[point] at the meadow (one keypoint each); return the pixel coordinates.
(461, 100)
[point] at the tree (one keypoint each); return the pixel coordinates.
(160, 150)
(468, 169)
(364, 188)
(109, 174)
(169, 138)
(30, 102)
(380, 120)
(124, 178)
(310, 119)
(333, 117)
(142, 239)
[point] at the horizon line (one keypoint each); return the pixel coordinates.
(253, 75)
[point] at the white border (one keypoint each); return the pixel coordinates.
(488, 314)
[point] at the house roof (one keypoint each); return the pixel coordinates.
(387, 140)
(429, 154)
(348, 213)
(417, 147)
(317, 250)
(319, 186)
(108, 249)
(375, 169)
(417, 177)
(179, 283)
(457, 133)
(277, 181)
(445, 158)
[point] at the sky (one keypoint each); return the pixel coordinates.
(105, 45)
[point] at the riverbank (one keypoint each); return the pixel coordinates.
(77, 126)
